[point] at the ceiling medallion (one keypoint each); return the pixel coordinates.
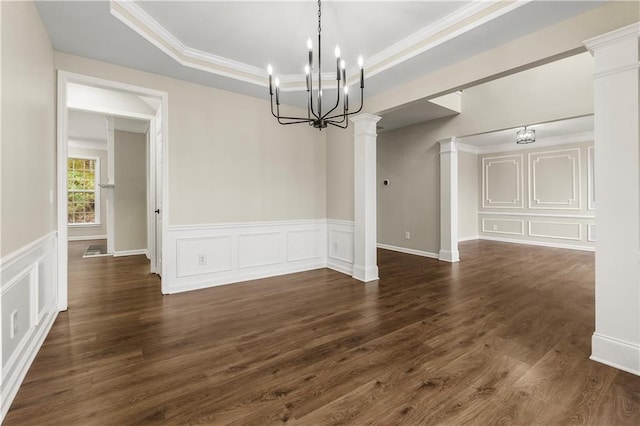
(315, 115)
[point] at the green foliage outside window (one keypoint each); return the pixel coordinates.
(81, 186)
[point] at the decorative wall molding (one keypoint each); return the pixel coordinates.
(29, 289)
(340, 245)
(591, 179)
(537, 170)
(561, 215)
(553, 228)
(494, 170)
(210, 255)
(409, 251)
(616, 353)
(502, 226)
(87, 238)
(538, 243)
(591, 232)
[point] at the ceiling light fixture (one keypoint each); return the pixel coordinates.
(315, 116)
(525, 136)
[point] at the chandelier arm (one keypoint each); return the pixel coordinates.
(338, 125)
(337, 101)
(346, 114)
(272, 113)
(301, 119)
(298, 121)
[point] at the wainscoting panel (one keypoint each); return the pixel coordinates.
(555, 230)
(340, 253)
(28, 310)
(201, 256)
(554, 180)
(502, 181)
(503, 226)
(591, 232)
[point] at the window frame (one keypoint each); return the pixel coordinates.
(97, 222)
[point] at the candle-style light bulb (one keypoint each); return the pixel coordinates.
(309, 43)
(360, 64)
(360, 61)
(337, 51)
(307, 71)
(277, 91)
(277, 82)
(343, 65)
(346, 98)
(270, 69)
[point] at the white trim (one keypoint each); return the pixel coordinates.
(518, 202)
(568, 216)
(575, 202)
(409, 251)
(630, 31)
(540, 143)
(472, 238)
(617, 70)
(490, 231)
(557, 237)
(13, 257)
(261, 224)
(591, 232)
(465, 19)
(537, 243)
(616, 353)
(64, 78)
(591, 187)
(87, 238)
(122, 253)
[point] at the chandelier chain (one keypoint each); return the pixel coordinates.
(319, 16)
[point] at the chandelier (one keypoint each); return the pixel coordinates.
(525, 136)
(316, 116)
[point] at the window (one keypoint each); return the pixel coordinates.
(83, 203)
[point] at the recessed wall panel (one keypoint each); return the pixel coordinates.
(502, 182)
(554, 180)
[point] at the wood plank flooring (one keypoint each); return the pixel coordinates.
(502, 337)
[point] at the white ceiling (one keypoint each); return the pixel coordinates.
(235, 40)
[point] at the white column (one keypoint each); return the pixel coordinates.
(111, 221)
(448, 200)
(365, 258)
(616, 341)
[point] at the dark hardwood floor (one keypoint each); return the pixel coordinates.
(502, 337)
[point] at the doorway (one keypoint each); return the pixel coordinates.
(117, 102)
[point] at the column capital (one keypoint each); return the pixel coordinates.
(628, 32)
(448, 145)
(365, 117)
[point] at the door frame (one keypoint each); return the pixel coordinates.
(64, 78)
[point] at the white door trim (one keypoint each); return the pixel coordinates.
(64, 78)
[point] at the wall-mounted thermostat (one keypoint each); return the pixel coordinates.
(385, 182)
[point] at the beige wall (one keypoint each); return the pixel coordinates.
(467, 195)
(28, 129)
(92, 230)
(540, 195)
(130, 191)
(340, 185)
(229, 161)
(410, 159)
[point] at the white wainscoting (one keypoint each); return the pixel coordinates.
(554, 180)
(340, 245)
(29, 294)
(503, 226)
(502, 178)
(201, 256)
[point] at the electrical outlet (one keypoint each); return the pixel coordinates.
(494, 227)
(13, 323)
(202, 259)
(407, 236)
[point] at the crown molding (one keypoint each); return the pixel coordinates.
(630, 31)
(544, 142)
(453, 25)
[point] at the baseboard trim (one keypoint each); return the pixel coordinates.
(340, 266)
(616, 353)
(408, 251)
(12, 384)
(237, 278)
(87, 238)
(130, 253)
(537, 243)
